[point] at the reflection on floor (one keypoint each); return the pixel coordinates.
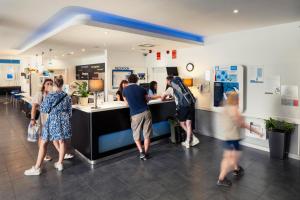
(172, 173)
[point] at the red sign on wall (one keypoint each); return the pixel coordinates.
(158, 56)
(174, 54)
(296, 103)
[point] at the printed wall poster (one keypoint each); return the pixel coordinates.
(258, 124)
(226, 74)
(256, 75)
(289, 95)
(272, 85)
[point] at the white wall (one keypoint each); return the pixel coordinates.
(132, 59)
(276, 48)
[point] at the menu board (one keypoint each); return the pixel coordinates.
(90, 71)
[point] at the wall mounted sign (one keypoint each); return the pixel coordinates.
(226, 74)
(256, 74)
(174, 54)
(272, 85)
(289, 95)
(122, 68)
(158, 56)
(90, 71)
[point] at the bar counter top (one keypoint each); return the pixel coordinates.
(110, 106)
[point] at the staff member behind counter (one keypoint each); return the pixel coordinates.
(119, 93)
(152, 92)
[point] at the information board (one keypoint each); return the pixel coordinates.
(90, 71)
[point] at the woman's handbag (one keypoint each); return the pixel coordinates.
(33, 133)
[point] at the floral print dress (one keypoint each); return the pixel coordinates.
(58, 124)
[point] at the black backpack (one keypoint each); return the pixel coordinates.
(183, 94)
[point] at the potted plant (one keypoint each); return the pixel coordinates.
(83, 93)
(279, 135)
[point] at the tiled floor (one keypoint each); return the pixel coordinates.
(172, 173)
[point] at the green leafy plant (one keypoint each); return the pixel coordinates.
(273, 125)
(81, 89)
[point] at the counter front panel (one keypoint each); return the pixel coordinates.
(103, 133)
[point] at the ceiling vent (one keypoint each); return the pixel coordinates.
(146, 45)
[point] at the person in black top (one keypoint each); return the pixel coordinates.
(119, 93)
(152, 92)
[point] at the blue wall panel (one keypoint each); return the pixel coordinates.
(123, 138)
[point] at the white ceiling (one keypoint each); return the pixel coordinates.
(94, 39)
(19, 18)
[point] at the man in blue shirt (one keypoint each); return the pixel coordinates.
(141, 119)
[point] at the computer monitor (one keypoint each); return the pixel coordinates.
(145, 85)
(172, 71)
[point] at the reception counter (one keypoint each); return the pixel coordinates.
(106, 131)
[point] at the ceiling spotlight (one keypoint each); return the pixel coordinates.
(236, 11)
(72, 52)
(106, 33)
(63, 55)
(83, 50)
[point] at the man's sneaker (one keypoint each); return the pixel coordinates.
(33, 171)
(143, 156)
(195, 141)
(58, 166)
(225, 182)
(239, 172)
(186, 144)
(68, 156)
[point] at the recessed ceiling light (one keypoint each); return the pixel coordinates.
(106, 33)
(236, 11)
(132, 48)
(72, 52)
(83, 50)
(63, 55)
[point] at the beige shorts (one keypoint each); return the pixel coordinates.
(141, 122)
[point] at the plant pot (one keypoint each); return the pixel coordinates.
(84, 101)
(278, 144)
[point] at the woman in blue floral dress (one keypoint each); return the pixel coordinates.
(57, 127)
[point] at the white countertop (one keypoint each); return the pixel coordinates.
(110, 106)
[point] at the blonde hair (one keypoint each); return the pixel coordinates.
(232, 98)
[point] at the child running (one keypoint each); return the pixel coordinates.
(232, 122)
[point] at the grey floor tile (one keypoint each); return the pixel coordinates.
(173, 173)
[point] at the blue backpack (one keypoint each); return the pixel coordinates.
(183, 94)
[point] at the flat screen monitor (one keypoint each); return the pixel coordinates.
(145, 85)
(172, 71)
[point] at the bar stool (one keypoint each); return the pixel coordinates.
(15, 97)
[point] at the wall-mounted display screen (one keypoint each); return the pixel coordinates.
(118, 76)
(90, 71)
(172, 71)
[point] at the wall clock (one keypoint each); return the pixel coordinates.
(190, 67)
